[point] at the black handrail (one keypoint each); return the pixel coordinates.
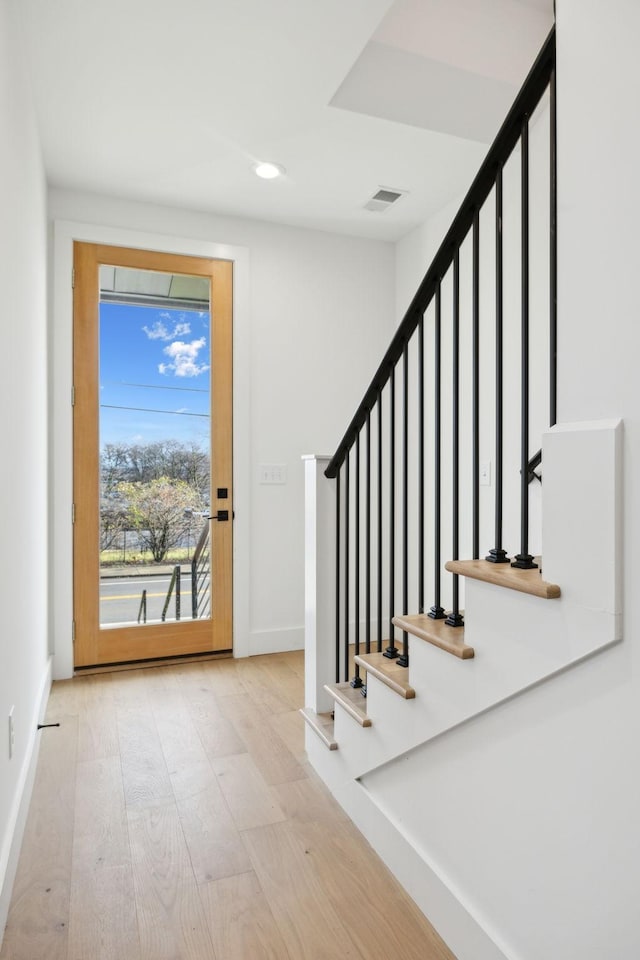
(525, 103)
(534, 462)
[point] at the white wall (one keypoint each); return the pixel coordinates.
(320, 313)
(531, 811)
(416, 250)
(23, 477)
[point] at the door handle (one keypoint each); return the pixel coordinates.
(220, 515)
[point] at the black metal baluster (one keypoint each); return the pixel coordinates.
(476, 385)
(524, 560)
(421, 465)
(347, 545)
(379, 521)
(497, 554)
(357, 682)
(553, 257)
(338, 584)
(367, 548)
(455, 619)
(403, 659)
(392, 651)
(437, 610)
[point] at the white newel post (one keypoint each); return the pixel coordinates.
(319, 582)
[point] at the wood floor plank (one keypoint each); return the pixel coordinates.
(144, 770)
(261, 689)
(272, 683)
(290, 728)
(295, 660)
(240, 921)
(218, 736)
(304, 800)
(171, 918)
(215, 846)
(270, 754)
(98, 728)
(251, 801)
(309, 924)
(38, 922)
(189, 767)
(288, 682)
(129, 688)
(224, 677)
(351, 874)
(103, 922)
(65, 699)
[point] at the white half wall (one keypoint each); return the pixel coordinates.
(316, 315)
(24, 647)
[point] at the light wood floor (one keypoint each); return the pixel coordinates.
(174, 817)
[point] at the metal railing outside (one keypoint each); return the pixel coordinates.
(201, 576)
(174, 583)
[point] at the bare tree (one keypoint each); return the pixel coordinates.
(142, 462)
(160, 510)
(113, 521)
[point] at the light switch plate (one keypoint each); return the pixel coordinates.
(273, 473)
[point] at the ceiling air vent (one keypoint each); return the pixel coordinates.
(384, 198)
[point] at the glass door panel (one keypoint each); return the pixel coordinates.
(155, 446)
(152, 361)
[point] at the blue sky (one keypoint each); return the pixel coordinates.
(157, 360)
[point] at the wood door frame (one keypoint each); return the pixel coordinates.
(112, 645)
(65, 231)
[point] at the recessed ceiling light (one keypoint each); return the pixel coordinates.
(269, 170)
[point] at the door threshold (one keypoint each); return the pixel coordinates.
(157, 662)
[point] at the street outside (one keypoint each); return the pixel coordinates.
(120, 596)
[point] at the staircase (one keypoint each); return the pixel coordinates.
(431, 598)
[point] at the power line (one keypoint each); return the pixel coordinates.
(154, 386)
(175, 413)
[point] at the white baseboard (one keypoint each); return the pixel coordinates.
(276, 641)
(12, 840)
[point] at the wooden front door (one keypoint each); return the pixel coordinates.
(152, 426)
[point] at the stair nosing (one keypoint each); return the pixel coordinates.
(405, 690)
(430, 633)
(312, 719)
(358, 714)
(523, 581)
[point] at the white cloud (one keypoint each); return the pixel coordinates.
(160, 331)
(184, 359)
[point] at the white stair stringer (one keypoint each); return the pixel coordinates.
(520, 642)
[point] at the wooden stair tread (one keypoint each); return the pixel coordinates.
(322, 724)
(504, 575)
(351, 699)
(436, 632)
(388, 672)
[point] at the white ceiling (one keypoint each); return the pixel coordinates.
(173, 102)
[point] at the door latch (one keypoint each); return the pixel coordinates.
(220, 515)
